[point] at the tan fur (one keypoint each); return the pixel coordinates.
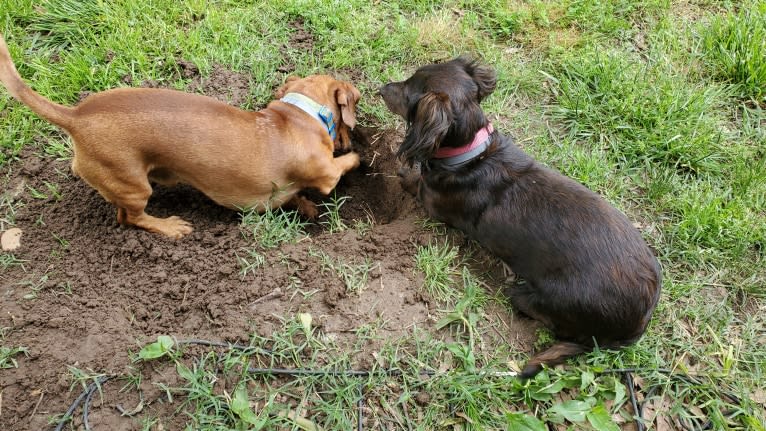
(123, 138)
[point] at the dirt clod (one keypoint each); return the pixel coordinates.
(11, 239)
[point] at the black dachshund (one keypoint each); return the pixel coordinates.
(588, 275)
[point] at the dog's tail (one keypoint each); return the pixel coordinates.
(55, 113)
(554, 355)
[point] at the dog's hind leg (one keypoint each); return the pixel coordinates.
(130, 210)
(130, 194)
(173, 226)
(525, 299)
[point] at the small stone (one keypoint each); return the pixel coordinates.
(11, 239)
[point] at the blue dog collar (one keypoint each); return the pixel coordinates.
(308, 105)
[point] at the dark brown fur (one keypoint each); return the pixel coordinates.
(588, 274)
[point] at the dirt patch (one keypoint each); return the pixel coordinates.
(301, 39)
(223, 84)
(90, 291)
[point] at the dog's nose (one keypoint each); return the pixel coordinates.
(386, 90)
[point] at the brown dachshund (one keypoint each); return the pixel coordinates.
(125, 138)
(588, 275)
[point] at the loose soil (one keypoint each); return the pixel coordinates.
(90, 291)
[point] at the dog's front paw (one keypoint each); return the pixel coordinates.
(409, 179)
(343, 141)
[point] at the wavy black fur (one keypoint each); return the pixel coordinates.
(588, 274)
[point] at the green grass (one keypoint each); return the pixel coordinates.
(81, 378)
(272, 227)
(7, 354)
(330, 400)
(266, 230)
(657, 120)
(355, 275)
(8, 260)
(250, 261)
(734, 48)
(331, 218)
(363, 227)
(465, 316)
(438, 264)
(656, 105)
(436, 385)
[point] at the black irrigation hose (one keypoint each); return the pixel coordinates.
(686, 424)
(633, 402)
(638, 408)
(87, 395)
(72, 408)
(310, 372)
(193, 341)
(394, 372)
(86, 406)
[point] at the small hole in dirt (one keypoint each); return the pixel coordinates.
(373, 189)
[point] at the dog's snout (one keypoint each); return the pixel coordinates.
(384, 90)
(392, 94)
(392, 90)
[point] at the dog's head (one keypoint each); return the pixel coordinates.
(440, 103)
(340, 96)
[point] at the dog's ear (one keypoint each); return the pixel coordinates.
(428, 126)
(346, 96)
(485, 77)
(281, 91)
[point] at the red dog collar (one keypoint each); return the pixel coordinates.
(459, 155)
